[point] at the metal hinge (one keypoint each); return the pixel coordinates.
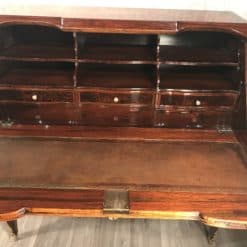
(116, 202)
(224, 129)
(6, 123)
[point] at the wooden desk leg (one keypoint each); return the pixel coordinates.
(211, 234)
(12, 229)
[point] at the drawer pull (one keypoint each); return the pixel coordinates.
(34, 97)
(116, 99)
(198, 102)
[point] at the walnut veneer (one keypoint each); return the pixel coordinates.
(124, 113)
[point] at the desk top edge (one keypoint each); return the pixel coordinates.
(122, 14)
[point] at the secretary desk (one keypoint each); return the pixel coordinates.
(124, 113)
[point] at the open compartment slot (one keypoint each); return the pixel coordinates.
(199, 78)
(28, 42)
(116, 76)
(56, 74)
(199, 48)
(116, 48)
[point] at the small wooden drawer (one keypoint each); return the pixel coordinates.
(45, 114)
(111, 115)
(198, 99)
(193, 119)
(36, 96)
(136, 98)
(16, 113)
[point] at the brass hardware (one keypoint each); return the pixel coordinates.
(224, 129)
(112, 218)
(6, 123)
(161, 124)
(116, 99)
(116, 201)
(198, 102)
(34, 97)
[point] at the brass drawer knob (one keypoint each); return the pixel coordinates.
(34, 97)
(115, 99)
(198, 102)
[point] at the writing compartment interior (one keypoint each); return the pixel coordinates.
(206, 48)
(116, 48)
(26, 73)
(36, 43)
(125, 76)
(217, 78)
(158, 165)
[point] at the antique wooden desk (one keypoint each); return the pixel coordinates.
(124, 114)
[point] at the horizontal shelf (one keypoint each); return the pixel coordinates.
(119, 54)
(181, 55)
(38, 74)
(196, 79)
(38, 52)
(116, 76)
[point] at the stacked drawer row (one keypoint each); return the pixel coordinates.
(174, 109)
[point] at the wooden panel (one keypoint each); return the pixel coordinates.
(198, 99)
(129, 20)
(121, 26)
(115, 97)
(235, 28)
(212, 209)
(115, 115)
(40, 114)
(38, 20)
(119, 165)
(193, 119)
(129, 14)
(209, 208)
(123, 134)
(36, 96)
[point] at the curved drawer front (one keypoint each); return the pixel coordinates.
(36, 96)
(43, 114)
(136, 98)
(193, 119)
(111, 115)
(198, 99)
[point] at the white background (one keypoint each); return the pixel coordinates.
(238, 6)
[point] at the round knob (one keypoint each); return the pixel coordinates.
(116, 99)
(34, 97)
(198, 102)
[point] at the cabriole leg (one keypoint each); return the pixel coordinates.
(211, 234)
(12, 229)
